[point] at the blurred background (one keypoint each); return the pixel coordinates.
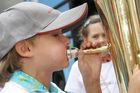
(59, 77)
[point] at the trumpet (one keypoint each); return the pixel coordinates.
(72, 52)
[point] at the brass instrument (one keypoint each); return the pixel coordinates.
(121, 20)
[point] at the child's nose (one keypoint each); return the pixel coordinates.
(102, 40)
(66, 40)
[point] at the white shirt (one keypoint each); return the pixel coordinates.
(108, 80)
(12, 87)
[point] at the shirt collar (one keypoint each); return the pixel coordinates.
(30, 83)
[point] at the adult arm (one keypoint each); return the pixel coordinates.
(90, 69)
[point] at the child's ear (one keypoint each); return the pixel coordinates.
(23, 48)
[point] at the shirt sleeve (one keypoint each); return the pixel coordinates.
(75, 82)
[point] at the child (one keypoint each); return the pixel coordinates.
(93, 31)
(32, 47)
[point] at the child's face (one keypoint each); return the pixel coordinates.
(50, 50)
(97, 34)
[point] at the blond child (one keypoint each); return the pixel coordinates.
(32, 47)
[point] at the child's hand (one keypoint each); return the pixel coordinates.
(134, 83)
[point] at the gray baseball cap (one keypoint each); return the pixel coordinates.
(27, 19)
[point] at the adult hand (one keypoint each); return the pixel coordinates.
(134, 84)
(90, 67)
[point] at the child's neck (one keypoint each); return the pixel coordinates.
(42, 77)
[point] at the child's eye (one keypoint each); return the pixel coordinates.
(95, 36)
(56, 35)
(104, 35)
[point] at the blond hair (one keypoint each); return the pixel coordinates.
(83, 32)
(10, 63)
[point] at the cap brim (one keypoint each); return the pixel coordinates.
(68, 20)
